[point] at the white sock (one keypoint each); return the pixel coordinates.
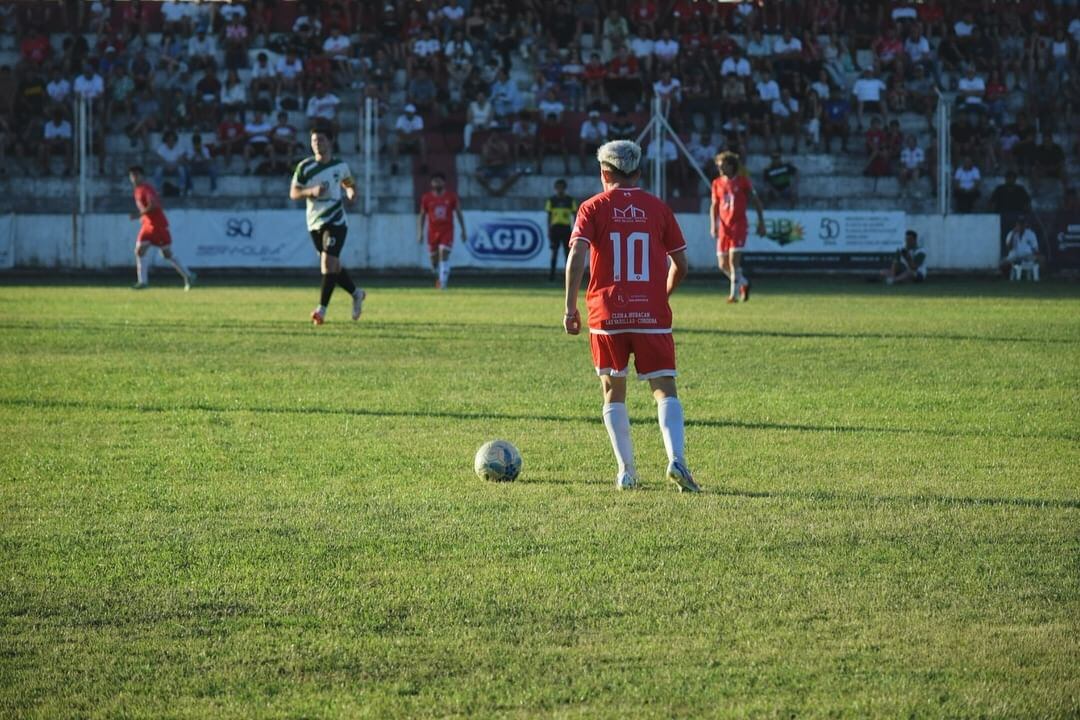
(321, 309)
(444, 272)
(669, 412)
(617, 422)
(740, 279)
(733, 279)
(142, 269)
(176, 263)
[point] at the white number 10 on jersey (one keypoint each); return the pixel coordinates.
(636, 253)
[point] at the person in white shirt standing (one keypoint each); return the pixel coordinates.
(408, 138)
(173, 160)
(966, 181)
(1022, 246)
(912, 159)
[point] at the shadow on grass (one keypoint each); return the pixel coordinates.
(866, 499)
(512, 417)
(411, 330)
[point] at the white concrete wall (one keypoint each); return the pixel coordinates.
(956, 242)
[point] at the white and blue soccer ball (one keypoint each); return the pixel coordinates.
(498, 461)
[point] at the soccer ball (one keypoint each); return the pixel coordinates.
(498, 461)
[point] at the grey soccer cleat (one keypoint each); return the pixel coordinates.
(626, 481)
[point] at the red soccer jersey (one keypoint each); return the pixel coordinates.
(731, 196)
(440, 210)
(155, 219)
(631, 233)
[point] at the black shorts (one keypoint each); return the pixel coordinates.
(329, 239)
(559, 235)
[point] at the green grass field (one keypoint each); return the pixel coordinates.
(210, 508)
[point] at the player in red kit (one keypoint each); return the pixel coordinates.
(631, 235)
(439, 205)
(731, 193)
(154, 231)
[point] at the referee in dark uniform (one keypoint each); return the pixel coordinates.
(560, 209)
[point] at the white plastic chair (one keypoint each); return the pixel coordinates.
(1031, 267)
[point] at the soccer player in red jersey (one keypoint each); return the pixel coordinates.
(154, 231)
(631, 235)
(731, 192)
(439, 205)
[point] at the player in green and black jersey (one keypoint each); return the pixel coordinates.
(560, 209)
(322, 180)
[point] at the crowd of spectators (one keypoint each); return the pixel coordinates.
(749, 76)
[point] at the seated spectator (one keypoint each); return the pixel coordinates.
(338, 48)
(786, 118)
(284, 140)
(236, 40)
(966, 181)
(669, 156)
(909, 264)
(422, 91)
(669, 90)
(290, 78)
(257, 133)
(787, 55)
(643, 48)
(505, 96)
(35, 48)
(888, 50)
(175, 17)
(736, 64)
(877, 150)
(1049, 161)
(263, 80)
(551, 105)
(322, 110)
(201, 162)
(623, 79)
(781, 181)
(551, 139)
(813, 119)
(121, 93)
(524, 138)
(922, 95)
(425, 52)
(912, 163)
(868, 95)
(172, 160)
(758, 50)
(594, 133)
(971, 88)
(1021, 246)
(622, 127)
(615, 33)
(665, 50)
(701, 153)
(145, 118)
(496, 172)
(409, 138)
(230, 138)
(768, 92)
(479, 117)
(58, 89)
(208, 97)
(594, 76)
(643, 15)
(202, 49)
(56, 141)
(90, 86)
(234, 95)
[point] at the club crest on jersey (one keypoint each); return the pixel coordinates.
(630, 213)
(514, 239)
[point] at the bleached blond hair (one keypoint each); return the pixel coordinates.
(622, 156)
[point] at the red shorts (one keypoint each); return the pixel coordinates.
(654, 354)
(440, 236)
(732, 239)
(158, 237)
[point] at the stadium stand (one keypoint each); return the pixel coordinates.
(846, 90)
